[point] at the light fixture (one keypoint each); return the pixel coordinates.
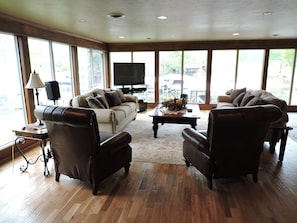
(162, 17)
(235, 34)
(267, 13)
(116, 15)
(34, 82)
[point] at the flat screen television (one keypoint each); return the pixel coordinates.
(129, 73)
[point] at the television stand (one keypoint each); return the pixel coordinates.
(131, 90)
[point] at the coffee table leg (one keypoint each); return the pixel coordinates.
(155, 128)
(194, 124)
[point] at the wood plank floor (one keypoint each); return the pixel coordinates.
(152, 193)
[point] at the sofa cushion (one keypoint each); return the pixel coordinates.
(236, 92)
(246, 98)
(93, 102)
(121, 95)
(236, 102)
(113, 98)
(126, 109)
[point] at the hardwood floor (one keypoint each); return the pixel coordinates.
(152, 193)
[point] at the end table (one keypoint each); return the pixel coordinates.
(33, 132)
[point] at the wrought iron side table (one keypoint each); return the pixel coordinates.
(37, 133)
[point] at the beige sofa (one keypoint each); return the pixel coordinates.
(114, 110)
(248, 97)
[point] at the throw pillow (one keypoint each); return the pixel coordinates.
(229, 92)
(235, 93)
(94, 102)
(113, 98)
(247, 97)
(121, 95)
(102, 100)
(236, 102)
(255, 101)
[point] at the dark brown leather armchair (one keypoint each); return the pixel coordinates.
(233, 142)
(80, 151)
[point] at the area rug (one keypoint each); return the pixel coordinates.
(166, 148)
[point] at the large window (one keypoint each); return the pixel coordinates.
(194, 75)
(12, 112)
(294, 87)
(91, 69)
(149, 59)
(63, 71)
(223, 73)
(250, 69)
(170, 74)
(280, 71)
(41, 63)
(53, 62)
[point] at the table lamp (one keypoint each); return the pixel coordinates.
(34, 82)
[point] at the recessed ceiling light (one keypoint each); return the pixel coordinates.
(116, 15)
(235, 34)
(267, 13)
(122, 37)
(162, 17)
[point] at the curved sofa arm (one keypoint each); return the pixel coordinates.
(224, 98)
(197, 139)
(104, 115)
(132, 98)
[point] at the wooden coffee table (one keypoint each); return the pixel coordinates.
(185, 116)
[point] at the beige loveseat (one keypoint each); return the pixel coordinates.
(114, 110)
(248, 97)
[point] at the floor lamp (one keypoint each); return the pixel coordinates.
(34, 82)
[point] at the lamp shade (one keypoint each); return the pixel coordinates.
(34, 81)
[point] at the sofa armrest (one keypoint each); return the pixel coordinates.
(132, 98)
(197, 139)
(104, 115)
(223, 98)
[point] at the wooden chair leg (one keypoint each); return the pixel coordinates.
(94, 189)
(209, 182)
(255, 177)
(187, 162)
(127, 167)
(57, 176)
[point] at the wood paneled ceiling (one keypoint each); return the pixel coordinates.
(188, 20)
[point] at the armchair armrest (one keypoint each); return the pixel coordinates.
(197, 139)
(116, 142)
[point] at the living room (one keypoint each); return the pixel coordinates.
(229, 52)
